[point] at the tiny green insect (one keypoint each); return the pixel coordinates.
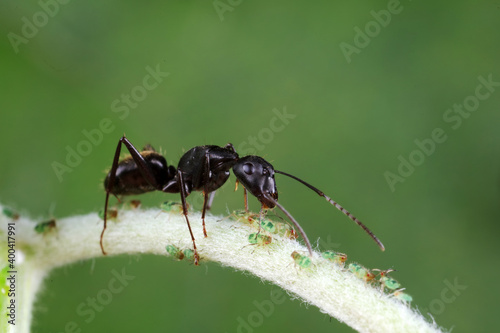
(268, 226)
(244, 216)
(188, 254)
(259, 239)
(361, 272)
(398, 294)
(175, 252)
(286, 230)
(279, 228)
(10, 214)
(390, 283)
(171, 206)
(301, 260)
(386, 281)
(46, 226)
(335, 257)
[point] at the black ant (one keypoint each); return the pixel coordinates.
(202, 168)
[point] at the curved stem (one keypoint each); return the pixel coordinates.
(331, 288)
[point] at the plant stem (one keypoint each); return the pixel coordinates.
(330, 287)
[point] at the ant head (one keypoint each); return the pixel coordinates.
(257, 175)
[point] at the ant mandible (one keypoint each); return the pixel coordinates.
(202, 168)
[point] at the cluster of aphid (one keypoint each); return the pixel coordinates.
(332, 256)
(40, 228)
(265, 227)
(382, 279)
(179, 254)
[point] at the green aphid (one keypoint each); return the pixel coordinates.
(112, 214)
(175, 252)
(286, 230)
(361, 272)
(171, 206)
(259, 239)
(335, 257)
(10, 214)
(389, 282)
(188, 254)
(398, 294)
(244, 216)
(46, 226)
(386, 281)
(268, 226)
(279, 228)
(302, 261)
(253, 238)
(240, 213)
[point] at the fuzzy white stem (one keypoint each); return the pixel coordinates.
(331, 288)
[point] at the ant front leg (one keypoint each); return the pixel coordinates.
(142, 166)
(245, 195)
(245, 198)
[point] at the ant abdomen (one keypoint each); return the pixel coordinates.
(129, 179)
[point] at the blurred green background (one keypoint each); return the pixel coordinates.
(230, 65)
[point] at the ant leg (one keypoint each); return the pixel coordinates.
(143, 168)
(185, 211)
(205, 202)
(205, 191)
(245, 198)
(105, 222)
(108, 190)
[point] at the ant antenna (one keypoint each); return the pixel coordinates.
(297, 225)
(339, 207)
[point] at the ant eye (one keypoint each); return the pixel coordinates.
(248, 168)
